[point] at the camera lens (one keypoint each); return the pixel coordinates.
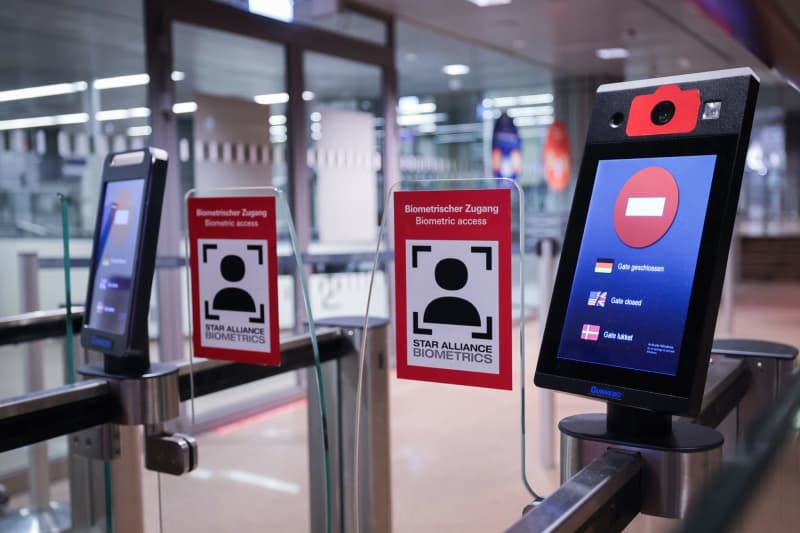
(662, 113)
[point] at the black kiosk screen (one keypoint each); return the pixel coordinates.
(116, 255)
(636, 265)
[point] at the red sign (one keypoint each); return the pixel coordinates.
(234, 274)
(646, 206)
(453, 286)
(557, 156)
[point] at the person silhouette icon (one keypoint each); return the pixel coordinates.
(233, 298)
(451, 275)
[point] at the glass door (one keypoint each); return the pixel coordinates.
(230, 108)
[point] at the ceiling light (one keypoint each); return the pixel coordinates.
(316, 116)
(426, 107)
(534, 99)
(455, 69)
(121, 114)
(525, 99)
(282, 10)
(79, 86)
(43, 90)
(410, 104)
(489, 3)
(308, 95)
(534, 111)
(139, 131)
(272, 98)
(533, 121)
(116, 82)
(40, 122)
(612, 53)
(277, 120)
(184, 107)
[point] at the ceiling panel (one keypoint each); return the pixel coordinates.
(421, 54)
(562, 35)
(519, 47)
(68, 40)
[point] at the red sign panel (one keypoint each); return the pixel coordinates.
(646, 207)
(234, 275)
(453, 286)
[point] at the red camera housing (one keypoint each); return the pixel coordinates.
(684, 120)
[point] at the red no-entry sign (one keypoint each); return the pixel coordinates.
(646, 207)
(234, 278)
(453, 286)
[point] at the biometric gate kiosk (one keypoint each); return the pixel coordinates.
(634, 308)
(118, 301)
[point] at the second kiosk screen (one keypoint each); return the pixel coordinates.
(116, 254)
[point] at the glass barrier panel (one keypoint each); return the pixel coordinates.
(452, 448)
(758, 488)
(254, 439)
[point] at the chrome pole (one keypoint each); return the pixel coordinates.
(547, 420)
(38, 475)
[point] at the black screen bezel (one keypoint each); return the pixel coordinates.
(690, 361)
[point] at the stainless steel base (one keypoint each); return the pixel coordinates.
(52, 520)
(152, 398)
(675, 469)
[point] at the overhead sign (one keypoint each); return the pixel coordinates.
(453, 286)
(506, 149)
(557, 157)
(234, 278)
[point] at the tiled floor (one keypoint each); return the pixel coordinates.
(455, 453)
(455, 450)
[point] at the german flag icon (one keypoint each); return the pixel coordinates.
(604, 266)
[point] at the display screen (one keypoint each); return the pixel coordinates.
(115, 255)
(636, 265)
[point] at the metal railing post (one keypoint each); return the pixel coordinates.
(86, 489)
(547, 421)
(374, 491)
(611, 482)
(38, 475)
(127, 493)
